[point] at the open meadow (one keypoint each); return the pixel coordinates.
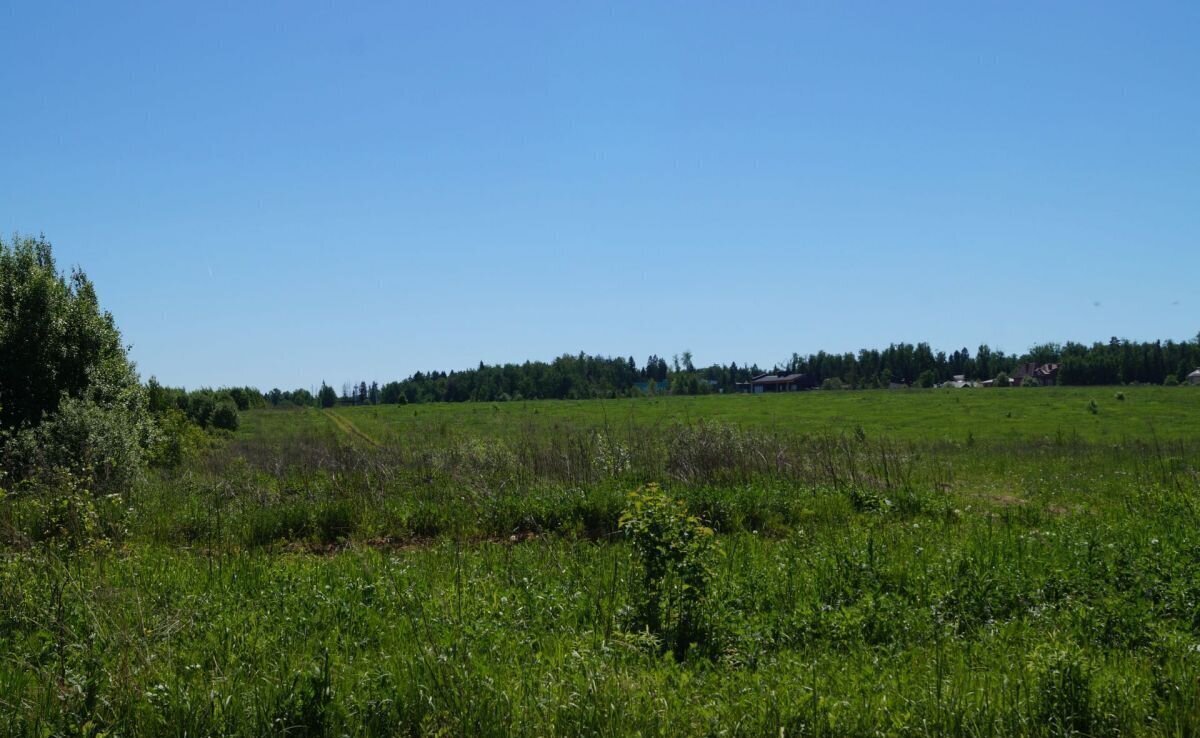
(946, 562)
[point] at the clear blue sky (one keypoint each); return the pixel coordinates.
(277, 194)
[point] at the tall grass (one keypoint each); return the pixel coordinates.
(477, 584)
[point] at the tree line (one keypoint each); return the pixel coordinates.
(584, 376)
(1115, 362)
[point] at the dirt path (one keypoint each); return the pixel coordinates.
(349, 428)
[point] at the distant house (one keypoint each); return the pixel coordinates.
(1194, 377)
(1033, 373)
(958, 381)
(898, 385)
(777, 383)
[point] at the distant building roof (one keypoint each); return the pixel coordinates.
(1032, 369)
(777, 379)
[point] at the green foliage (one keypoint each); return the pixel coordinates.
(1002, 380)
(1065, 704)
(689, 383)
(225, 416)
(327, 396)
(875, 576)
(675, 552)
(181, 417)
(200, 407)
(54, 338)
(576, 377)
(177, 439)
(71, 397)
(278, 398)
(1171, 381)
(61, 512)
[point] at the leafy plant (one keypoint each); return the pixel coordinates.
(225, 416)
(71, 397)
(675, 551)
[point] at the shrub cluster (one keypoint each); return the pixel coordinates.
(69, 397)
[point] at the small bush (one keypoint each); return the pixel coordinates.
(866, 500)
(675, 552)
(103, 443)
(225, 416)
(177, 439)
(61, 512)
(1093, 408)
(200, 408)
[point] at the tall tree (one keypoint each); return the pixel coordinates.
(64, 371)
(327, 396)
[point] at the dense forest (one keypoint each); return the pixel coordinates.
(583, 376)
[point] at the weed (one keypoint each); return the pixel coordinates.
(675, 552)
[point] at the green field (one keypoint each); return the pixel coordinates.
(973, 562)
(918, 415)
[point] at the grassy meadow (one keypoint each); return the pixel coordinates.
(974, 562)
(946, 415)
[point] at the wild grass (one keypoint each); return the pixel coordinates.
(941, 415)
(300, 580)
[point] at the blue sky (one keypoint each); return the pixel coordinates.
(279, 194)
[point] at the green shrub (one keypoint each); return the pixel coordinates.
(866, 500)
(200, 407)
(225, 416)
(177, 438)
(103, 443)
(62, 512)
(675, 552)
(72, 400)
